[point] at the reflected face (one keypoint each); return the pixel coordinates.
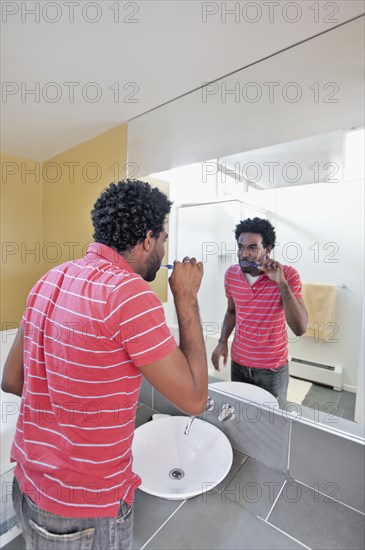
(251, 251)
(154, 260)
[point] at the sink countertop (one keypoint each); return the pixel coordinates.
(254, 507)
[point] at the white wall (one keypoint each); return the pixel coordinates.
(320, 231)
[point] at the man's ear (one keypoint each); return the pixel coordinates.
(268, 249)
(148, 241)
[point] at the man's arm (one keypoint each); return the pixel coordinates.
(13, 375)
(182, 376)
(228, 325)
(295, 312)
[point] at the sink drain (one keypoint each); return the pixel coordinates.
(177, 473)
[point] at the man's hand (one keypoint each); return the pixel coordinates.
(274, 270)
(186, 278)
(295, 312)
(220, 351)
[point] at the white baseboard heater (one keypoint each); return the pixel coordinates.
(316, 372)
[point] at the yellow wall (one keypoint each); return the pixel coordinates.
(45, 213)
(21, 235)
(71, 183)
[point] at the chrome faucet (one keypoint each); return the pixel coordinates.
(188, 425)
(209, 406)
(227, 413)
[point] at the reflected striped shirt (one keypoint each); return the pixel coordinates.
(88, 325)
(260, 338)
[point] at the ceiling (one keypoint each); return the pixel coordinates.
(72, 70)
(315, 159)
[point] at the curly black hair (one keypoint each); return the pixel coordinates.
(257, 225)
(125, 211)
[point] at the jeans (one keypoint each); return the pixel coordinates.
(275, 381)
(46, 531)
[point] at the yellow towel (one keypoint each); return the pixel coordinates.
(320, 301)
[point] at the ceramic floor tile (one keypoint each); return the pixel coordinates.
(255, 487)
(348, 397)
(16, 544)
(323, 394)
(211, 522)
(349, 415)
(316, 520)
(347, 401)
(320, 397)
(238, 460)
(149, 514)
(331, 409)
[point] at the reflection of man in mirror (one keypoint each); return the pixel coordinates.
(263, 296)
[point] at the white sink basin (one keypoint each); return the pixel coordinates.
(176, 466)
(246, 391)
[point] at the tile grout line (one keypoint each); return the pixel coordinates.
(277, 498)
(284, 533)
(220, 491)
(289, 446)
(328, 496)
(161, 526)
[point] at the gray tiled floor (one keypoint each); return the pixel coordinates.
(238, 460)
(299, 518)
(317, 520)
(255, 487)
(149, 514)
(337, 403)
(210, 521)
(16, 544)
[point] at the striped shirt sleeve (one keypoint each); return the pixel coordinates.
(293, 278)
(136, 320)
(226, 285)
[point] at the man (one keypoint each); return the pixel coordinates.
(262, 295)
(91, 328)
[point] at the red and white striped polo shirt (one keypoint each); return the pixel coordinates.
(260, 338)
(89, 324)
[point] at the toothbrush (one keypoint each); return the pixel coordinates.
(167, 266)
(245, 263)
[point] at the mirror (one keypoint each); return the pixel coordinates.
(280, 157)
(312, 192)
